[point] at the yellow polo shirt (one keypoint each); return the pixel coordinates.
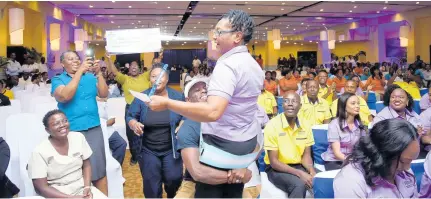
(364, 111)
(290, 143)
(314, 114)
(267, 101)
(8, 93)
(411, 88)
(138, 84)
(323, 91)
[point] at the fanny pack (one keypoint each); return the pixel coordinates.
(219, 158)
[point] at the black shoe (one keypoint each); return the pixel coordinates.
(133, 162)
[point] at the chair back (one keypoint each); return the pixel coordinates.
(323, 184)
(320, 134)
(379, 106)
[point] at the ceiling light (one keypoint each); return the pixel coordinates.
(199, 22)
(255, 42)
(355, 6)
(384, 8)
(378, 12)
(213, 8)
(287, 27)
(341, 41)
(205, 41)
(182, 44)
(194, 27)
(249, 8)
(283, 3)
(323, 24)
(200, 43)
(136, 27)
(143, 26)
(318, 18)
(157, 24)
(155, 2)
(321, 10)
(417, 2)
(113, 1)
(287, 42)
(350, 11)
(191, 31)
(311, 41)
(282, 9)
(119, 26)
(190, 7)
(386, 1)
(266, 28)
(294, 29)
(302, 23)
(294, 43)
(130, 6)
(317, 42)
(169, 7)
(139, 21)
(302, 44)
(97, 44)
(350, 18)
(112, 21)
(246, 2)
(90, 6)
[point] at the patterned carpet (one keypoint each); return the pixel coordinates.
(133, 188)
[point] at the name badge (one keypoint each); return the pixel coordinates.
(282, 134)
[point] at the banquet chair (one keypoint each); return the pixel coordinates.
(43, 108)
(115, 108)
(5, 112)
(379, 106)
(269, 190)
(16, 104)
(114, 172)
(320, 134)
(255, 176)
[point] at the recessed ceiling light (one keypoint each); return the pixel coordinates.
(323, 24)
(166, 22)
(133, 23)
(157, 24)
(255, 42)
(249, 8)
(302, 44)
(287, 27)
(287, 42)
(139, 21)
(199, 22)
(90, 6)
(182, 44)
(311, 41)
(341, 41)
(205, 41)
(97, 44)
(246, 2)
(386, 1)
(282, 9)
(136, 27)
(266, 28)
(294, 29)
(384, 8)
(417, 2)
(318, 18)
(283, 3)
(321, 10)
(355, 6)
(294, 43)
(302, 23)
(317, 42)
(350, 11)
(378, 12)
(200, 43)
(191, 31)
(350, 18)
(112, 21)
(113, 1)
(130, 6)
(119, 26)
(194, 27)
(213, 8)
(169, 7)
(185, 42)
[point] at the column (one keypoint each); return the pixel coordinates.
(323, 53)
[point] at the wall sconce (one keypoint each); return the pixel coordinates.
(79, 37)
(54, 36)
(404, 35)
(16, 26)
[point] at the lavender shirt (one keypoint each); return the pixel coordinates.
(238, 78)
(345, 136)
(425, 189)
(426, 122)
(389, 113)
(359, 92)
(425, 102)
(350, 183)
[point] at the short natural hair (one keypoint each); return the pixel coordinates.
(69, 51)
(242, 22)
(48, 115)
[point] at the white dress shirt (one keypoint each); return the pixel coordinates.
(43, 68)
(13, 68)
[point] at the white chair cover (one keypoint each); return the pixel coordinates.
(16, 104)
(255, 178)
(21, 146)
(37, 100)
(116, 108)
(43, 108)
(113, 168)
(269, 190)
(5, 112)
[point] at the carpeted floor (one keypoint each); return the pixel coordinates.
(133, 188)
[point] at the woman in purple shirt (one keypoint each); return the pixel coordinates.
(379, 166)
(343, 131)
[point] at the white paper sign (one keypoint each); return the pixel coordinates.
(133, 41)
(141, 96)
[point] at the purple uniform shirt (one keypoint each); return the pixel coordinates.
(345, 136)
(425, 102)
(350, 183)
(238, 78)
(426, 122)
(389, 113)
(425, 189)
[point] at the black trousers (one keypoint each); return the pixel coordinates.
(134, 143)
(289, 183)
(333, 165)
(218, 191)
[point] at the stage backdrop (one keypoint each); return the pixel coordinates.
(183, 57)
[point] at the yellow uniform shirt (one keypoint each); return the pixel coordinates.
(267, 101)
(290, 143)
(411, 88)
(314, 114)
(138, 84)
(322, 92)
(8, 93)
(364, 111)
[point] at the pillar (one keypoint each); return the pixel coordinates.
(323, 53)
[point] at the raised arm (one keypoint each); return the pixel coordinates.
(209, 111)
(111, 67)
(102, 87)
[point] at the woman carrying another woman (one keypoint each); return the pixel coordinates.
(158, 160)
(343, 131)
(132, 81)
(60, 165)
(379, 166)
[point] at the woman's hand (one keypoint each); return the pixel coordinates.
(137, 127)
(158, 103)
(87, 193)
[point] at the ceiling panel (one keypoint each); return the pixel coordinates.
(254, 9)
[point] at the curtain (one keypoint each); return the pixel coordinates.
(183, 57)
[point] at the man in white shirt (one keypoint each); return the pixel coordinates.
(42, 66)
(24, 81)
(28, 66)
(13, 68)
(196, 62)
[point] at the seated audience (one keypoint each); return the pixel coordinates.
(59, 166)
(408, 84)
(425, 117)
(44, 78)
(359, 86)
(287, 83)
(267, 101)
(303, 90)
(288, 142)
(43, 68)
(314, 110)
(364, 111)
(366, 74)
(377, 81)
(13, 68)
(269, 84)
(379, 166)
(425, 102)
(343, 131)
(36, 83)
(7, 188)
(339, 80)
(5, 91)
(325, 91)
(24, 80)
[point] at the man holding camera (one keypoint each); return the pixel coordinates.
(75, 91)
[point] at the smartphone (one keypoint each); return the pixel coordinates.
(90, 53)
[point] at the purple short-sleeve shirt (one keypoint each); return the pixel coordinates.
(345, 136)
(350, 183)
(238, 78)
(425, 102)
(425, 189)
(389, 113)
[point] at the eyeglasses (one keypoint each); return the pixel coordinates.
(217, 33)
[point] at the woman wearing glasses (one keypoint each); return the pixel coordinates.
(228, 117)
(379, 166)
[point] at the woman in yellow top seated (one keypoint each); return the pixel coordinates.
(5, 91)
